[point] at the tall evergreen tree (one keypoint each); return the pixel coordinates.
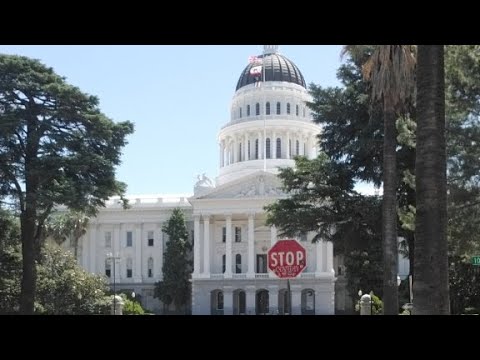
(56, 148)
(175, 287)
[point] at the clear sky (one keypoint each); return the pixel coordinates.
(177, 96)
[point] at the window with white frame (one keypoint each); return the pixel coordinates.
(256, 149)
(267, 108)
(238, 234)
(296, 110)
(257, 109)
(268, 149)
(238, 264)
(150, 238)
(248, 110)
(279, 148)
(288, 108)
(129, 268)
(150, 267)
(129, 238)
(278, 108)
(108, 239)
(224, 234)
(108, 268)
(297, 148)
(224, 261)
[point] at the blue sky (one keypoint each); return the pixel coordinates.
(178, 97)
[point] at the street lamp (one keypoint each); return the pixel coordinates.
(113, 259)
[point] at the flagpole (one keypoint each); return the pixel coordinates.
(264, 114)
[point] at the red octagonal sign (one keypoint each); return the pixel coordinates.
(287, 258)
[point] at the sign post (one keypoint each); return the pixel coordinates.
(476, 260)
(287, 259)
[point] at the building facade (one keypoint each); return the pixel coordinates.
(269, 125)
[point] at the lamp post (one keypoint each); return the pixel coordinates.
(113, 259)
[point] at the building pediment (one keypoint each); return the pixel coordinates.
(257, 185)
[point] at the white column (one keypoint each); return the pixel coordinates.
(251, 247)
(273, 235)
(137, 275)
(318, 256)
(92, 247)
(330, 257)
(324, 256)
(196, 245)
(206, 244)
(227, 300)
(273, 299)
(296, 299)
(235, 150)
(245, 148)
(250, 299)
(287, 146)
(228, 247)
(221, 153)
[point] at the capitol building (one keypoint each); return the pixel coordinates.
(269, 124)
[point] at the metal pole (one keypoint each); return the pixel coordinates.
(289, 297)
(114, 292)
(264, 116)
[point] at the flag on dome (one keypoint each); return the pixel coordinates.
(256, 70)
(254, 59)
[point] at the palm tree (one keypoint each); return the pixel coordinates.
(68, 225)
(430, 287)
(390, 71)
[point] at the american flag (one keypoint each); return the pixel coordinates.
(254, 59)
(256, 70)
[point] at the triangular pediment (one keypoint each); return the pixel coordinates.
(257, 185)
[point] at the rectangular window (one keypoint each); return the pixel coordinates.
(150, 273)
(262, 263)
(150, 238)
(108, 239)
(107, 272)
(129, 273)
(129, 238)
(224, 234)
(238, 234)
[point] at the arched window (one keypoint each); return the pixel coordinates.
(262, 302)
(241, 112)
(296, 111)
(248, 110)
(248, 151)
(288, 108)
(242, 302)
(267, 108)
(308, 302)
(298, 148)
(240, 152)
(268, 149)
(278, 108)
(220, 300)
(224, 261)
(238, 264)
(257, 109)
(129, 268)
(279, 148)
(108, 268)
(150, 267)
(256, 149)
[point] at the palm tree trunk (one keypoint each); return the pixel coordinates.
(389, 215)
(430, 288)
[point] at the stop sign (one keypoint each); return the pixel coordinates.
(287, 258)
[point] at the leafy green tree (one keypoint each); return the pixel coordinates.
(322, 200)
(10, 263)
(56, 148)
(430, 286)
(175, 286)
(65, 288)
(71, 225)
